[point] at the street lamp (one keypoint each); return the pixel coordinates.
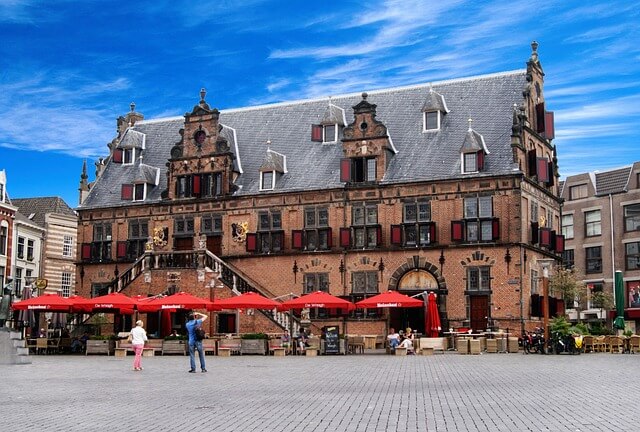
(545, 264)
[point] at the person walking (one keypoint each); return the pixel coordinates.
(194, 343)
(138, 339)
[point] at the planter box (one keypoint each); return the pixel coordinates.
(254, 346)
(100, 346)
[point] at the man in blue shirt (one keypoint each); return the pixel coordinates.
(195, 320)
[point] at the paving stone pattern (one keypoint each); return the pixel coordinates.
(447, 392)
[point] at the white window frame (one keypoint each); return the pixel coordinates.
(567, 229)
(424, 120)
(144, 191)
(463, 158)
(264, 187)
(124, 156)
(326, 139)
(65, 284)
(67, 246)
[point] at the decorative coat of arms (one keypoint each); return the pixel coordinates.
(239, 231)
(159, 237)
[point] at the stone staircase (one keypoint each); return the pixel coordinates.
(13, 349)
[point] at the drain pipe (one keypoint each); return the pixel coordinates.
(613, 254)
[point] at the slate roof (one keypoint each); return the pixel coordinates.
(40, 207)
(488, 100)
(613, 181)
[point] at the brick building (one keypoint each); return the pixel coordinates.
(448, 187)
(7, 216)
(601, 224)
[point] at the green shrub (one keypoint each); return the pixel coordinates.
(254, 336)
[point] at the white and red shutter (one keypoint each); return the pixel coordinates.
(551, 174)
(345, 170)
(197, 185)
(329, 238)
(316, 133)
(495, 229)
(85, 251)
(480, 157)
(396, 235)
(531, 162)
(252, 242)
(379, 235)
(549, 125)
(545, 237)
(121, 250)
(534, 233)
(559, 243)
(117, 156)
(345, 237)
(542, 168)
(126, 193)
(432, 232)
(296, 239)
(457, 231)
(540, 117)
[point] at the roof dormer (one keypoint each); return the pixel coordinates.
(433, 110)
(473, 152)
(273, 165)
(333, 120)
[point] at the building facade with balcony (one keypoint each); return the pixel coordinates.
(601, 225)
(448, 187)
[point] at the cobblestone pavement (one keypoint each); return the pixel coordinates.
(443, 392)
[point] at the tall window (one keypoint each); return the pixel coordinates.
(330, 133)
(567, 226)
(183, 186)
(270, 234)
(365, 282)
(139, 191)
(212, 184)
(30, 249)
(66, 284)
(478, 278)
(101, 245)
(20, 250)
(470, 162)
(316, 228)
(577, 192)
(99, 289)
(534, 282)
(267, 180)
(592, 223)
(316, 282)
(417, 227)
(478, 215)
(632, 217)
(568, 258)
(593, 288)
(431, 121)
(594, 259)
(632, 254)
(363, 170)
(67, 246)
(364, 222)
(211, 224)
(3, 240)
(137, 240)
(17, 280)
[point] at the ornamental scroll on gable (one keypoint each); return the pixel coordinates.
(239, 231)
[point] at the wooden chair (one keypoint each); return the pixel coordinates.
(588, 344)
(607, 343)
(634, 344)
(598, 344)
(356, 344)
(616, 344)
(42, 345)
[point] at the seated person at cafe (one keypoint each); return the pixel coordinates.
(286, 340)
(302, 340)
(406, 343)
(393, 339)
(78, 343)
(174, 333)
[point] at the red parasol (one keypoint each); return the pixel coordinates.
(389, 299)
(112, 302)
(248, 300)
(432, 317)
(44, 303)
(318, 299)
(181, 300)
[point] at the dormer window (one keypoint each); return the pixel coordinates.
(124, 156)
(473, 152)
(431, 121)
(133, 192)
(267, 180)
(472, 162)
(139, 192)
(358, 170)
(330, 133)
(432, 110)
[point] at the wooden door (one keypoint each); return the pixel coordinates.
(214, 245)
(479, 312)
(183, 243)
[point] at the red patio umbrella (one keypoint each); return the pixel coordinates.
(318, 299)
(432, 325)
(44, 303)
(181, 300)
(389, 299)
(248, 300)
(112, 302)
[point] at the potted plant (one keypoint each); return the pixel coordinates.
(254, 343)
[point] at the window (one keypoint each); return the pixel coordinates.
(632, 217)
(577, 192)
(211, 224)
(316, 282)
(478, 214)
(20, 250)
(183, 226)
(470, 162)
(330, 133)
(101, 245)
(270, 237)
(2, 270)
(67, 246)
(139, 191)
(183, 186)
(30, 249)
(267, 180)
(365, 282)
(1, 192)
(592, 223)
(66, 284)
(567, 226)
(3, 240)
(417, 229)
(632, 254)
(431, 120)
(128, 156)
(594, 259)
(136, 241)
(535, 289)
(364, 225)
(211, 184)
(594, 302)
(568, 258)
(17, 280)
(317, 233)
(478, 279)
(99, 289)
(534, 211)
(358, 170)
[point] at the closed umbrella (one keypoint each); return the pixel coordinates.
(619, 291)
(432, 324)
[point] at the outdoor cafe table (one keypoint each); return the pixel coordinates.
(369, 341)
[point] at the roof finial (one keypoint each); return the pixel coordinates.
(132, 105)
(534, 51)
(203, 93)
(470, 121)
(364, 95)
(268, 144)
(430, 87)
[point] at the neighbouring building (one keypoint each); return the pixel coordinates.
(27, 257)
(7, 215)
(447, 187)
(56, 250)
(601, 225)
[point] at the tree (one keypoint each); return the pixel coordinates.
(573, 290)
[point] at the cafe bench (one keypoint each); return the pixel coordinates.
(124, 347)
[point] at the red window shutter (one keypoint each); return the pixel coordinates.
(542, 168)
(316, 133)
(534, 233)
(559, 243)
(457, 230)
(432, 232)
(86, 251)
(117, 156)
(296, 239)
(121, 249)
(329, 238)
(127, 192)
(549, 125)
(252, 242)
(545, 237)
(495, 229)
(540, 117)
(345, 170)
(197, 185)
(481, 160)
(551, 174)
(379, 235)
(345, 237)
(396, 234)
(532, 162)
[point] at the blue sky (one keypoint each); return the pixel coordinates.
(68, 69)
